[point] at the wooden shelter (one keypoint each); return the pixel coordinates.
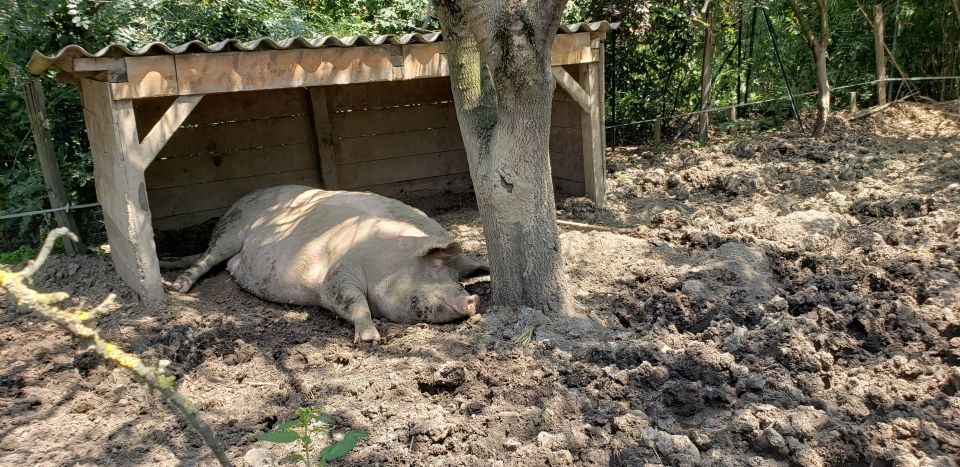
(177, 135)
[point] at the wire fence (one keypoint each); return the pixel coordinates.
(21, 234)
(774, 99)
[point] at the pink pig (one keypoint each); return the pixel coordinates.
(361, 255)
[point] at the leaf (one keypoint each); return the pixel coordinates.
(344, 446)
(293, 458)
(278, 436)
(283, 426)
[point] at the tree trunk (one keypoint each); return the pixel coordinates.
(499, 58)
(818, 45)
(706, 75)
(823, 87)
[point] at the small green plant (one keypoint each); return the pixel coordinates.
(17, 256)
(310, 421)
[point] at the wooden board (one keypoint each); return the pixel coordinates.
(563, 188)
(424, 61)
(386, 146)
(565, 114)
(566, 140)
(273, 69)
(180, 221)
(218, 108)
(380, 95)
(205, 168)
(166, 202)
(432, 186)
(399, 169)
(566, 165)
(327, 146)
(150, 75)
(239, 135)
(394, 120)
(572, 48)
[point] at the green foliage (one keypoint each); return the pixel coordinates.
(18, 256)
(311, 422)
(654, 59)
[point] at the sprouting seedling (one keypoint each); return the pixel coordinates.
(310, 421)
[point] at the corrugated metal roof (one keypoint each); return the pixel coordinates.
(39, 62)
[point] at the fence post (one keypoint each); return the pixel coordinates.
(878, 52)
(37, 111)
(853, 101)
(733, 120)
(656, 131)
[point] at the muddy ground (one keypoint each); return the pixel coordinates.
(782, 301)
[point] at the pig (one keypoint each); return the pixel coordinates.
(359, 254)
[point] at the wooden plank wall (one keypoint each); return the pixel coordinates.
(566, 147)
(398, 139)
(402, 139)
(231, 145)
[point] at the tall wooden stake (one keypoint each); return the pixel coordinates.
(878, 48)
(37, 111)
(706, 75)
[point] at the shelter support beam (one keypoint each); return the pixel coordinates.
(119, 163)
(592, 128)
(323, 128)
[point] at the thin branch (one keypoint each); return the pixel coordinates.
(45, 250)
(824, 22)
(802, 21)
(74, 323)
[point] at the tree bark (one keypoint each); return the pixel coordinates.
(823, 88)
(499, 58)
(818, 46)
(706, 75)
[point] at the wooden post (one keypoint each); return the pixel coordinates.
(733, 120)
(879, 55)
(706, 75)
(120, 159)
(592, 134)
(656, 132)
(37, 111)
(853, 101)
(326, 144)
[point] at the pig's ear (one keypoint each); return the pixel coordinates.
(468, 268)
(441, 254)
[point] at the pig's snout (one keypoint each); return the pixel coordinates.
(470, 305)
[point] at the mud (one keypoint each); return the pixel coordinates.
(783, 301)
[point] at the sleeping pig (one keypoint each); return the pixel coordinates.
(359, 254)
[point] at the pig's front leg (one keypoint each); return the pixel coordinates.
(351, 304)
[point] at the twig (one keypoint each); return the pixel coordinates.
(74, 323)
(602, 228)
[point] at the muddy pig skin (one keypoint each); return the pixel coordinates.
(359, 254)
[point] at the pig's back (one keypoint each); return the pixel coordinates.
(299, 237)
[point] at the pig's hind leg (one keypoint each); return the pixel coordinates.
(226, 243)
(351, 304)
